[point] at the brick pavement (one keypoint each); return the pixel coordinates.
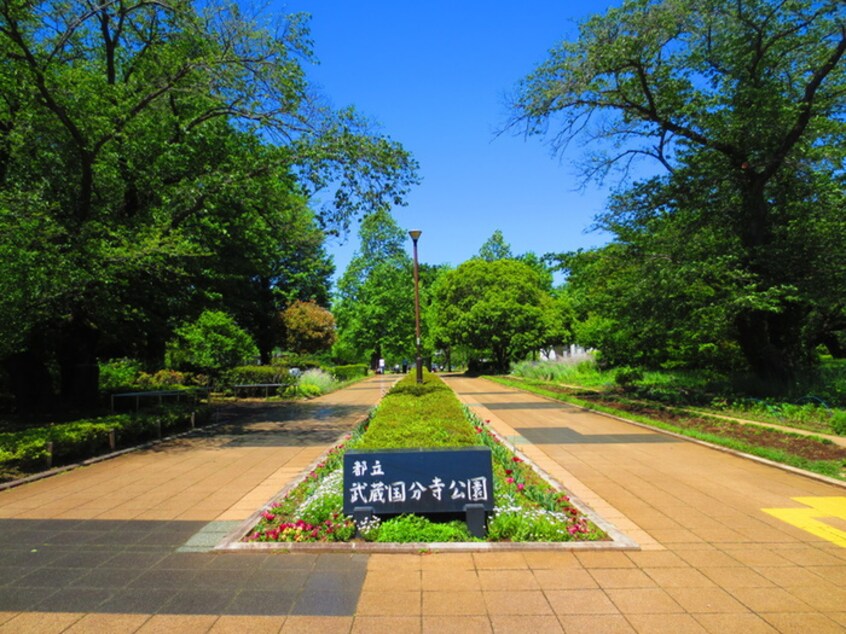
(122, 545)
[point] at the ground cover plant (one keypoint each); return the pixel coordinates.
(815, 454)
(34, 448)
(527, 508)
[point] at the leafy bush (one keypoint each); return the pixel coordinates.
(427, 415)
(212, 344)
(583, 373)
(118, 374)
(349, 372)
(258, 374)
(413, 528)
(309, 328)
(838, 422)
(301, 361)
(315, 382)
(84, 438)
(168, 380)
(626, 377)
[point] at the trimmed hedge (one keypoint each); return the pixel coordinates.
(259, 374)
(28, 449)
(349, 372)
(426, 415)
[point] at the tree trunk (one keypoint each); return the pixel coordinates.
(77, 357)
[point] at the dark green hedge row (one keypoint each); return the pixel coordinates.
(259, 374)
(426, 415)
(28, 449)
(348, 372)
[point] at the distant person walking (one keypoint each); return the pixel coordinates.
(381, 366)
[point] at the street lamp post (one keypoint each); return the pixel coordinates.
(415, 235)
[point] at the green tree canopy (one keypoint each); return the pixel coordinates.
(212, 344)
(498, 310)
(375, 302)
(742, 102)
(495, 248)
(309, 328)
(153, 157)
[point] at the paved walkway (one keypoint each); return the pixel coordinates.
(122, 546)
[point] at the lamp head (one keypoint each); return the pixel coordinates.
(415, 234)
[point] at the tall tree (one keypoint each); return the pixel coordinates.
(375, 302)
(742, 102)
(309, 328)
(495, 248)
(140, 138)
(498, 310)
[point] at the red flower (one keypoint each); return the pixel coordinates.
(516, 459)
(509, 471)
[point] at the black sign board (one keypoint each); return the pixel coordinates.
(420, 481)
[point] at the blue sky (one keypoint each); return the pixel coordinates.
(435, 75)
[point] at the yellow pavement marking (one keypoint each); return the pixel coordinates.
(808, 519)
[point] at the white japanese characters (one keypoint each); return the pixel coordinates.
(431, 481)
(472, 490)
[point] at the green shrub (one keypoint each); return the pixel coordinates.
(412, 528)
(167, 380)
(838, 422)
(258, 374)
(315, 382)
(349, 372)
(308, 390)
(626, 377)
(411, 415)
(84, 438)
(212, 344)
(301, 361)
(117, 374)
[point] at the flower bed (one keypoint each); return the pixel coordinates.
(527, 508)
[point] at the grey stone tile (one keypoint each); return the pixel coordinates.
(229, 561)
(134, 560)
(184, 561)
(74, 600)
(20, 599)
(214, 579)
(326, 604)
(565, 435)
(9, 575)
(262, 603)
(75, 537)
(50, 577)
(334, 582)
(199, 602)
(164, 578)
(334, 561)
(290, 561)
(114, 578)
(84, 558)
(293, 579)
(141, 600)
(31, 558)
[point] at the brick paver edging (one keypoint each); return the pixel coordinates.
(618, 541)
